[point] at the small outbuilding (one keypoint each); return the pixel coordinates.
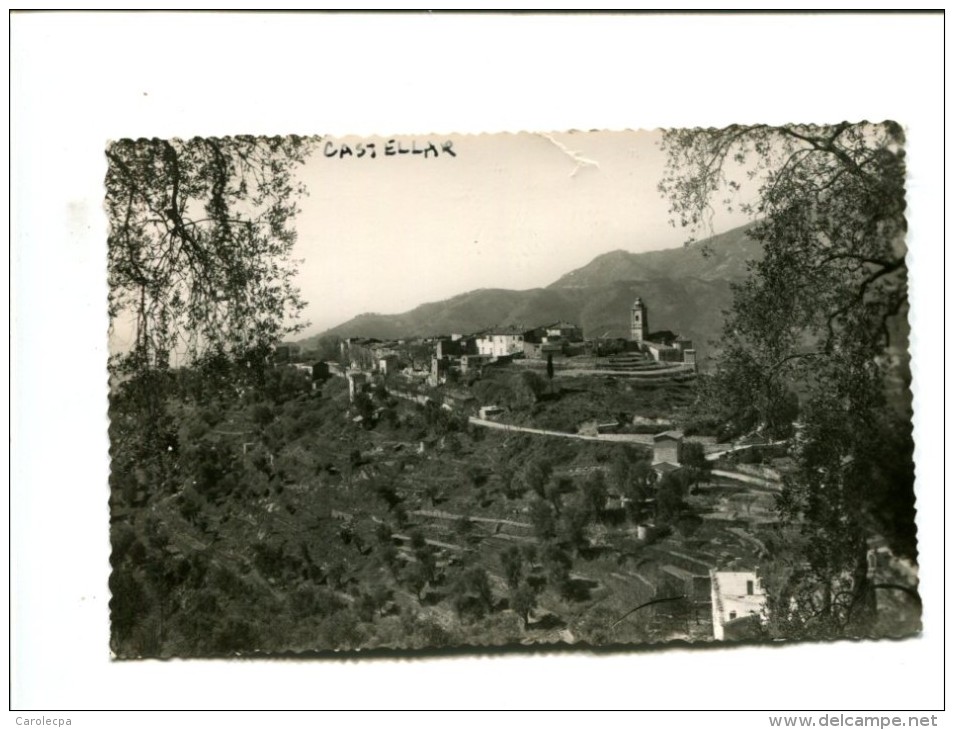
(666, 447)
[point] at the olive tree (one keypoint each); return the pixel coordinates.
(199, 246)
(816, 333)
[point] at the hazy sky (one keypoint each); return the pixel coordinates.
(512, 211)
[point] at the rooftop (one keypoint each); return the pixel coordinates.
(503, 330)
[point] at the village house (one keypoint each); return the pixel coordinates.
(490, 411)
(697, 588)
(388, 363)
(360, 352)
(455, 346)
(448, 348)
(358, 382)
(552, 339)
(666, 452)
(540, 350)
(470, 363)
(558, 332)
(500, 341)
(738, 604)
(459, 400)
(666, 447)
(595, 428)
(563, 331)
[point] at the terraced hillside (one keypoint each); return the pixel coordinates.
(308, 522)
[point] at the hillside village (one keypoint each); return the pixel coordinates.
(708, 442)
(698, 563)
(507, 487)
(441, 359)
(561, 341)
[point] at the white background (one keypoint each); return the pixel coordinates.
(80, 80)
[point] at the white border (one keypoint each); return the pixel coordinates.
(79, 80)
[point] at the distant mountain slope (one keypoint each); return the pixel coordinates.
(685, 291)
(720, 257)
(691, 307)
(466, 313)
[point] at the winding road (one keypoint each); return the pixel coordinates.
(645, 439)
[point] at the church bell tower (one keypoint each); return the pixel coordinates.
(639, 327)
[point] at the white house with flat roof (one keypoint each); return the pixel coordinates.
(500, 342)
(738, 604)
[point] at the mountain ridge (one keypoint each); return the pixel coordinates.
(720, 256)
(686, 290)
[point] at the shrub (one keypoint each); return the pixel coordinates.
(543, 519)
(511, 561)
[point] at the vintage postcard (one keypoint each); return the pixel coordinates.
(604, 389)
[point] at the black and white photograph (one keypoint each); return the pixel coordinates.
(601, 388)
(455, 360)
